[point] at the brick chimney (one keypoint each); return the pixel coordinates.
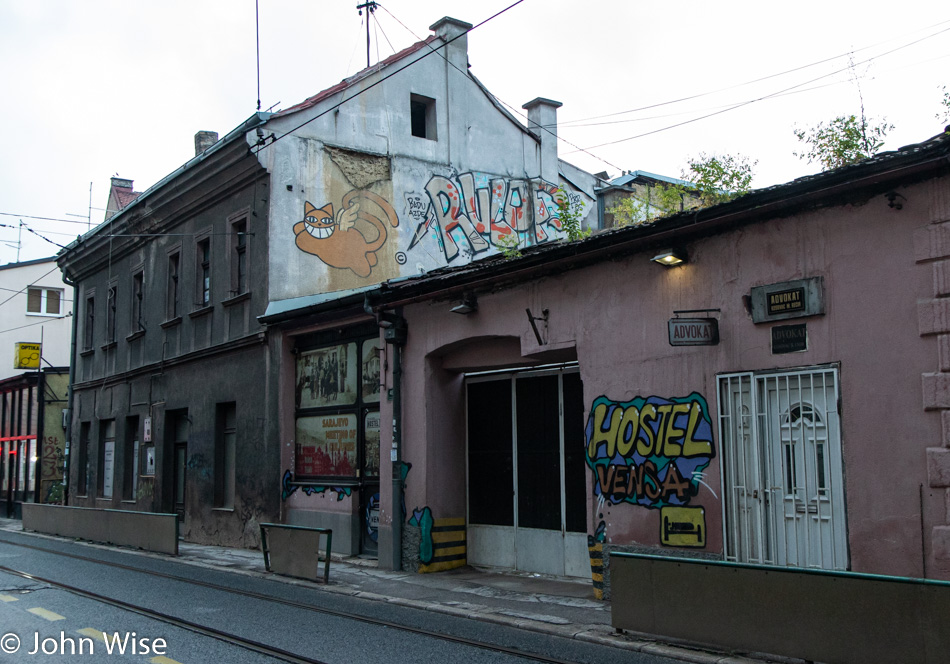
(204, 140)
(542, 120)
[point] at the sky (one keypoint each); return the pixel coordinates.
(98, 88)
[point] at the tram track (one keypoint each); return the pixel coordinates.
(240, 641)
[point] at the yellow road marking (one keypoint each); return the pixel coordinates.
(48, 615)
(161, 659)
(92, 633)
(8, 598)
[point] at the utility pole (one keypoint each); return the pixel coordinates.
(370, 8)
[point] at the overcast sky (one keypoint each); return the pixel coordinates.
(97, 88)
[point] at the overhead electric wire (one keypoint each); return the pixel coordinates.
(502, 101)
(28, 286)
(275, 138)
(768, 96)
(570, 123)
(47, 319)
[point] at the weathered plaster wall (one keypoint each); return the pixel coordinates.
(616, 313)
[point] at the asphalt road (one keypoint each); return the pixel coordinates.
(47, 620)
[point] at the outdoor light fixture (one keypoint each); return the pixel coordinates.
(468, 305)
(670, 257)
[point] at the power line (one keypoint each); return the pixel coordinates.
(274, 138)
(26, 216)
(28, 286)
(768, 96)
(570, 123)
(39, 322)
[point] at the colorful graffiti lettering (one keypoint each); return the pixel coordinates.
(649, 451)
(288, 487)
(483, 212)
(350, 239)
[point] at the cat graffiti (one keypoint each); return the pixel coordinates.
(649, 451)
(349, 239)
(481, 212)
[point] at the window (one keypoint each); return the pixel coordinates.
(88, 337)
(239, 257)
(44, 301)
(225, 450)
(106, 457)
(422, 116)
(171, 293)
(82, 487)
(110, 314)
(130, 465)
(138, 297)
(203, 265)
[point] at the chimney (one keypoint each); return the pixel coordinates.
(448, 29)
(120, 195)
(204, 140)
(542, 120)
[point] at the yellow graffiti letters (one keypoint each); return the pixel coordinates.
(647, 414)
(650, 431)
(693, 447)
(599, 435)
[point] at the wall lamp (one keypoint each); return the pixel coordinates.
(468, 305)
(671, 257)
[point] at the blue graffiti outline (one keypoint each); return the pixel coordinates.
(288, 487)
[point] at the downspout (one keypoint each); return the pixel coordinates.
(395, 332)
(69, 389)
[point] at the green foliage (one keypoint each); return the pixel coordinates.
(508, 245)
(570, 212)
(944, 114)
(842, 141)
(710, 180)
(718, 179)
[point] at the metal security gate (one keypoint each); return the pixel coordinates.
(526, 475)
(782, 469)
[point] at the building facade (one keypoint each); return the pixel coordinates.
(226, 366)
(774, 392)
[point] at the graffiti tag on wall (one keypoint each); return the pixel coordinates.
(471, 213)
(649, 451)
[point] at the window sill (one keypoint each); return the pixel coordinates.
(246, 295)
(171, 323)
(138, 334)
(42, 315)
(86, 352)
(110, 345)
(128, 502)
(203, 311)
(222, 509)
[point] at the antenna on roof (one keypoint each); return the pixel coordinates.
(257, 34)
(370, 8)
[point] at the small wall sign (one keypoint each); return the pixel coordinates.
(789, 299)
(789, 339)
(693, 331)
(27, 355)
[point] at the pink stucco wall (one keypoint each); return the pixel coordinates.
(613, 316)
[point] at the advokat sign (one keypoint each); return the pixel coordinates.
(694, 331)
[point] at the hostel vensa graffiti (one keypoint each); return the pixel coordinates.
(649, 451)
(478, 212)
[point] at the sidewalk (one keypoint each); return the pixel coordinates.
(548, 605)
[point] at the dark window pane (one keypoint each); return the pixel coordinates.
(52, 301)
(34, 296)
(539, 453)
(575, 476)
(490, 488)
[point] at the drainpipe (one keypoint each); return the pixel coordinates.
(69, 389)
(395, 332)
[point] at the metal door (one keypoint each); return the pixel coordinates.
(782, 469)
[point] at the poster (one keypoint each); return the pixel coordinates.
(327, 377)
(108, 468)
(371, 369)
(326, 445)
(371, 439)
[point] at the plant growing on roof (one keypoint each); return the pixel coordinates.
(570, 212)
(842, 141)
(509, 246)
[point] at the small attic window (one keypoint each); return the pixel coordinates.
(422, 116)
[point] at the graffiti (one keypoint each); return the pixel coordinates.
(54, 493)
(146, 489)
(480, 212)
(199, 464)
(683, 526)
(53, 458)
(423, 520)
(372, 517)
(288, 487)
(595, 549)
(349, 239)
(600, 535)
(649, 451)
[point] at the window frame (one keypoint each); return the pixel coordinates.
(89, 321)
(137, 301)
(429, 118)
(239, 252)
(173, 284)
(44, 301)
(203, 270)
